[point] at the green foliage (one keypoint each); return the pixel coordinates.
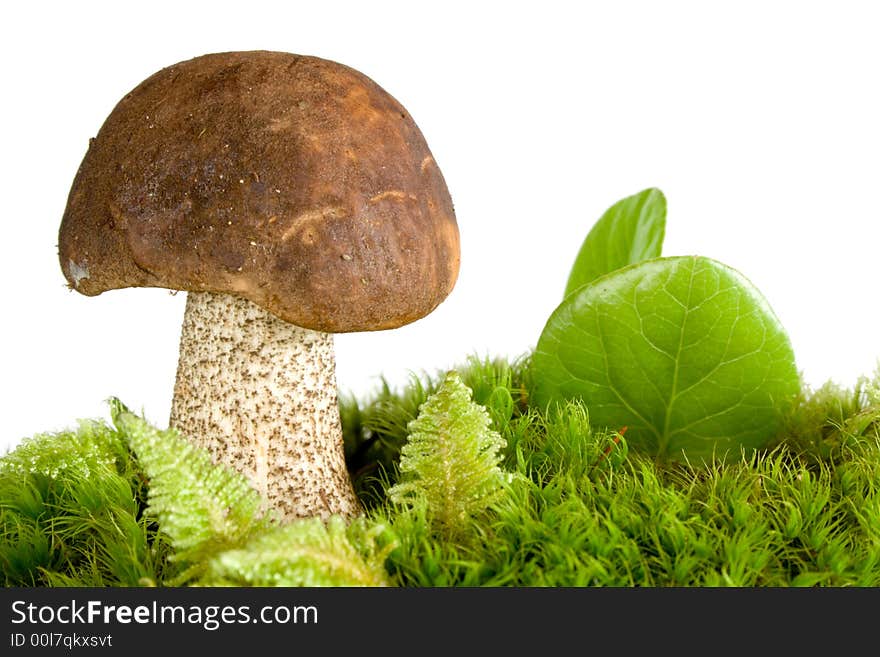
(832, 416)
(203, 509)
(450, 463)
(71, 513)
(375, 429)
(564, 440)
(583, 511)
(580, 509)
(218, 528)
(308, 552)
(374, 432)
(630, 231)
(684, 351)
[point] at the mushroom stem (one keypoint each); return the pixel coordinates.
(260, 395)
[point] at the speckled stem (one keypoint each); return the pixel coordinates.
(260, 395)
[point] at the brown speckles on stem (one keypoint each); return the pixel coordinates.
(260, 394)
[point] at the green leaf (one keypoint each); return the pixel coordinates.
(450, 462)
(630, 231)
(201, 507)
(684, 352)
(305, 552)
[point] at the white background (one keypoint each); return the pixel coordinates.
(760, 121)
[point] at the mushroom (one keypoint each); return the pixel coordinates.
(292, 198)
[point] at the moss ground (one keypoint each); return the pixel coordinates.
(581, 509)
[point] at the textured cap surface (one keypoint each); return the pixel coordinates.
(292, 181)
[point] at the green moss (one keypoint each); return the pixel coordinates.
(582, 509)
(71, 513)
(579, 509)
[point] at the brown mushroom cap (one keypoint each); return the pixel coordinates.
(292, 181)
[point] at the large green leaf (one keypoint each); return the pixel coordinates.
(684, 352)
(630, 231)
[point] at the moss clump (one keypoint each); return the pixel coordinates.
(577, 507)
(72, 513)
(582, 510)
